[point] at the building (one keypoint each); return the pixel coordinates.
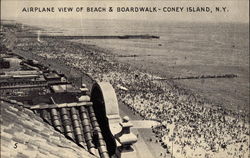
(92, 121)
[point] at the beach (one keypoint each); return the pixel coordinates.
(191, 125)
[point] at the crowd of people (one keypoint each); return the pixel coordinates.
(189, 126)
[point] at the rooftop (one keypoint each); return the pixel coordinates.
(24, 134)
(65, 108)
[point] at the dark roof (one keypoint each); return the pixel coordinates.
(24, 134)
(77, 121)
(79, 124)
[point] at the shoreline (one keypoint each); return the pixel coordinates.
(90, 37)
(100, 66)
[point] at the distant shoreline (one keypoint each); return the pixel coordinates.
(91, 37)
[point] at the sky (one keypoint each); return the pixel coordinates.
(238, 10)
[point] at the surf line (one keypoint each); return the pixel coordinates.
(136, 9)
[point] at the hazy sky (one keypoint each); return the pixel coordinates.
(238, 10)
